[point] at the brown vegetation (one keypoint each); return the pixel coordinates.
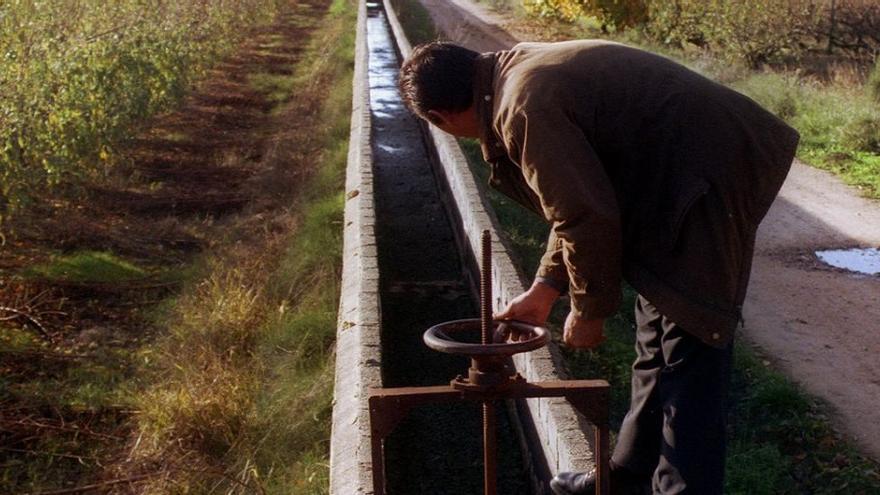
(852, 26)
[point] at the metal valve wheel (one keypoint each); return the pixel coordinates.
(509, 337)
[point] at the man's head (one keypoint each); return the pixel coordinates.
(437, 84)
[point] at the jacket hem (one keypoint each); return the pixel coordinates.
(713, 326)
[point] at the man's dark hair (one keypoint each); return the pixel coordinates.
(438, 76)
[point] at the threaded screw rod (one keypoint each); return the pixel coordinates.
(489, 449)
(486, 288)
(489, 430)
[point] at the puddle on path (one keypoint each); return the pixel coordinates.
(865, 261)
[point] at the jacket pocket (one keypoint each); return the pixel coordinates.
(681, 204)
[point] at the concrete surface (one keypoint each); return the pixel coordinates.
(358, 354)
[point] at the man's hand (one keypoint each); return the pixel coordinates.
(583, 334)
(532, 306)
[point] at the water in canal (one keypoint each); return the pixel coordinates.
(438, 449)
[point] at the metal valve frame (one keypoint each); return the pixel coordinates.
(489, 379)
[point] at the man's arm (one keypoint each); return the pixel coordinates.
(576, 195)
(552, 270)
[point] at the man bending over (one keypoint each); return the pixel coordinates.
(646, 172)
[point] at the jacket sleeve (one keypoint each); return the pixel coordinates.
(508, 179)
(577, 197)
(552, 270)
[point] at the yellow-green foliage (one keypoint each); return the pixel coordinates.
(76, 75)
(756, 31)
(611, 13)
(563, 9)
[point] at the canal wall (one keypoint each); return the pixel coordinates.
(358, 355)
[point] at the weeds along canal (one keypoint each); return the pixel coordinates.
(437, 449)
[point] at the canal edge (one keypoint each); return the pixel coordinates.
(358, 354)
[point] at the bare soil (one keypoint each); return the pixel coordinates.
(821, 326)
(214, 168)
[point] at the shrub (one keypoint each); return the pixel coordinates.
(611, 13)
(755, 31)
(75, 78)
(874, 81)
(568, 10)
(863, 134)
(850, 26)
(678, 22)
(778, 93)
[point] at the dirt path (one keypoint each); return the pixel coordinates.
(821, 326)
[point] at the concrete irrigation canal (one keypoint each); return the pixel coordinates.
(434, 450)
(414, 214)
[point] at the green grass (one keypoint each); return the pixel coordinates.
(782, 440)
(41, 376)
(277, 87)
(839, 126)
(64, 381)
(88, 267)
(295, 409)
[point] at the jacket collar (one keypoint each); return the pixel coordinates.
(484, 96)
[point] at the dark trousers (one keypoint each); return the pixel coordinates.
(674, 433)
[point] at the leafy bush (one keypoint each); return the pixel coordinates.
(863, 134)
(678, 22)
(850, 26)
(613, 13)
(568, 10)
(75, 77)
(756, 31)
(874, 81)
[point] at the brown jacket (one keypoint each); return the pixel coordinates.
(645, 169)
